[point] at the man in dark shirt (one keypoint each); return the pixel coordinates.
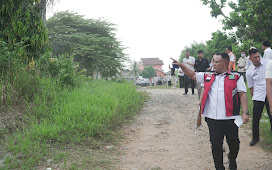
(201, 65)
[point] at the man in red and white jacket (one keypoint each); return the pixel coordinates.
(224, 91)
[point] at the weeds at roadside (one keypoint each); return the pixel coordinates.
(86, 117)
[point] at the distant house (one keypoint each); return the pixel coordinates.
(155, 62)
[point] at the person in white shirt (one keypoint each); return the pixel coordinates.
(267, 50)
(241, 63)
(189, 61)
(256, 83)
(268, 77)
(181, 77)
(219, 108)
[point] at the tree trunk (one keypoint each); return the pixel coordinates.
(42, 7)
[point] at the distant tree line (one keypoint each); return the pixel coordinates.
(250, 20)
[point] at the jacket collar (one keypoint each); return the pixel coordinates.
(224, 73)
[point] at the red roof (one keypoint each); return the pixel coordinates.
(151, 61)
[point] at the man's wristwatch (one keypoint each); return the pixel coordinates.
(246, 112)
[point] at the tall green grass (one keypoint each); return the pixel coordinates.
(58, 115)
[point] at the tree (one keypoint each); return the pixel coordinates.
(21, 24)
(245, 46)
(148, 72)
(251, 18)
(134, 69)
(43, 5)
(219, 42)
(91, 41)
(193, 50)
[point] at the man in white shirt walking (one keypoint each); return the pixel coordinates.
(189, 61)
(221, 106)
(256, 83)
(267, 50)
(181, 77)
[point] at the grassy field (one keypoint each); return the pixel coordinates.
(62, 124)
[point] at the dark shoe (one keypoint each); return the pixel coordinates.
(184, 93)
(232, 163)
(254, 141)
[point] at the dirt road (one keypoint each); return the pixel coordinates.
(164, 137)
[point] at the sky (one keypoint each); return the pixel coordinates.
(150, 28)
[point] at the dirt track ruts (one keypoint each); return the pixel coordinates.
(164, 137)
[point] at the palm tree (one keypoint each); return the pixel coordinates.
(134, 69)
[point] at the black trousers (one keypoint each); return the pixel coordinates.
(257, 114)
(188, 81)
(218, 129)
(181, 81)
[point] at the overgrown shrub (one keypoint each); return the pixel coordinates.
(61, 68)
(61, 116)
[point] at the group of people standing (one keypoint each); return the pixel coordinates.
(199, 65)
(222, 91)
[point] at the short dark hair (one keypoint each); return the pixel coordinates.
(216, 53)
(266, 43)
(229, 48)
(224, 56)
(243, 51)
(199, 51)
(187, 51)
(252, 51)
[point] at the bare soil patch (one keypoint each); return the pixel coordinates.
(164, 137)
